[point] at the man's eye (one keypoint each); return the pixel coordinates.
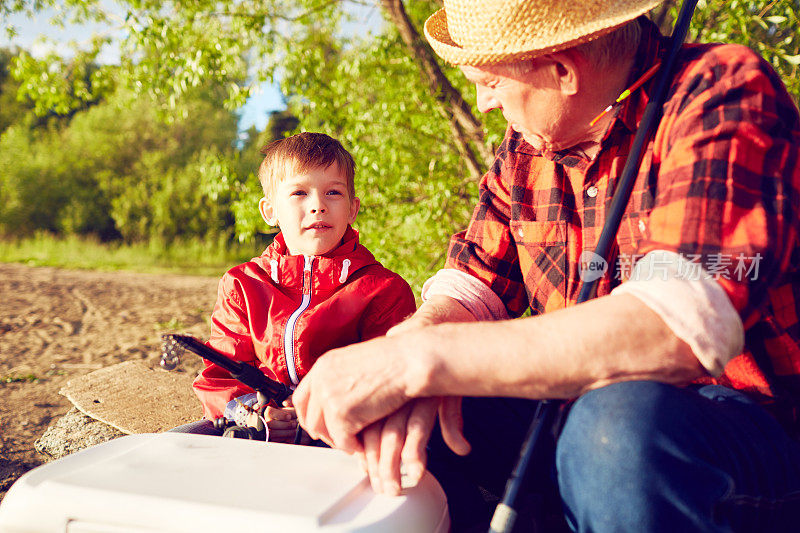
(298, 193)
(335, 192)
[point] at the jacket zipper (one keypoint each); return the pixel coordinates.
(288, 338)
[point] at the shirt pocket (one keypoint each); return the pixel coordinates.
(632, 229)
(542, 252)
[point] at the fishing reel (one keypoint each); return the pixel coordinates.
(232, 430)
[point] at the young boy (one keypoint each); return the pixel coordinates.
(313, 289)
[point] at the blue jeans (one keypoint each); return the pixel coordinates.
(644, 456)
(634, 456)
(199, 427)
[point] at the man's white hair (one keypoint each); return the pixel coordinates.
(617, 45)
(602, 52)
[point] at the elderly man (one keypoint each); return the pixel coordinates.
(684, 369)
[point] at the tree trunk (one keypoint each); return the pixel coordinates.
(467, 129)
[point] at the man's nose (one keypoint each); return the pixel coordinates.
(486, 101)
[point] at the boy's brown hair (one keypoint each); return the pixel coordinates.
(302, 153)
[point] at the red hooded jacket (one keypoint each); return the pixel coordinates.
(280, 312)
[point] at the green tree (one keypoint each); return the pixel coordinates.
(418, 153)
(11, 108)
(769, 28)
(117, 170)
(409, 120)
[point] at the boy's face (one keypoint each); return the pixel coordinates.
(312, 210)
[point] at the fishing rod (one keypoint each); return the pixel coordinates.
(268, 391)
(251, 376)
(506, 512)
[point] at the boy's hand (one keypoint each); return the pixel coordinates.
(281, 422)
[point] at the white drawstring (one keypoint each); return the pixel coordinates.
(345, 268)
(274, 273)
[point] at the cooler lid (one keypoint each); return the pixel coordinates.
(179, 482)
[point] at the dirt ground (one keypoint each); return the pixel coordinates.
(59, 324)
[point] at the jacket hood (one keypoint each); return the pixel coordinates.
(330, 270)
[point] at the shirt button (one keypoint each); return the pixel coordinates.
(642, 226)
(591, 192)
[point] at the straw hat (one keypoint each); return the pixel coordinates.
(487, 32)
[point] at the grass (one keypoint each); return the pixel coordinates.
(173, 324)
(28, 378)
(188, 257)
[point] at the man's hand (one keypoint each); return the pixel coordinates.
(398, 439)
(349, 388)
(401, 439)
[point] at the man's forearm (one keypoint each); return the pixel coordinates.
(439, 309)
(558, 355)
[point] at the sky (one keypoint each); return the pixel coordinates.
(255, 112)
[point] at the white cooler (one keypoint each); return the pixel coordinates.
(176, 482)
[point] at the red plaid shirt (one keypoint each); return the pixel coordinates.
(718, 183)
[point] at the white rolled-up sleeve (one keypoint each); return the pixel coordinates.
(467, 290)
(691, 303)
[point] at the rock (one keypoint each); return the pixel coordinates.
(118, 400)
(134, 398)
(71, 433)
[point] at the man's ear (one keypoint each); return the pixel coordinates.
(355, 205)
(267, 212)
(566, 71)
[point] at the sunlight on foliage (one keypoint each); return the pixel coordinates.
(769, 28)
(147, 150)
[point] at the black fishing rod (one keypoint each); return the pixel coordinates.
(174, 344)
(506, 512)
(268, 391)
